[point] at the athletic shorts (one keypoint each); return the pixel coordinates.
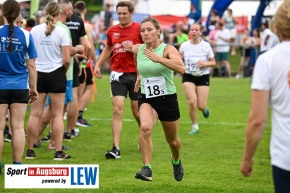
(82, 77)
(14, 96)
(90, 77)
(125, 84)
(166, 106)
(76, 72)
(221, 56)
(281, 179)
(197, 80)
(52, 82)
(68, 94)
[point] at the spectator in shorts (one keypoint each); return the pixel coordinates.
(222, 40)
(16, 70)
(53, 42)
(230, 24)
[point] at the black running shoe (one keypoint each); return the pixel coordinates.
(37, 144)
(178, 171)
(30, 154)
(6, 130)
(67, 136)
(113, 154)
(60, 155)
(144, 174)
(46, 138)
(83, 123)
(8, 138)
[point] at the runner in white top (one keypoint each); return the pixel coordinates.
(271, 84)
(198, 56)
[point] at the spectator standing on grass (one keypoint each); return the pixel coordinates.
(53, 42)
(246, 42)
(268, 38)
(88, 90)
(18, 78)
(79, 38)
(222, 40)
(198, 57)
(271, 84)
(213, 20)
(108, 17)
(156, 63)
(123, 69)
(230, 24)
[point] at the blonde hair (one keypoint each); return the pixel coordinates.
(51, 9)
(280, 23)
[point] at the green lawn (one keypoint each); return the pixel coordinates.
(211, 158)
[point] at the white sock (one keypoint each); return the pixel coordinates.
(195, 127)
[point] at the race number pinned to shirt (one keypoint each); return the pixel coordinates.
(192, 68)
(114, 76)
(155, 86)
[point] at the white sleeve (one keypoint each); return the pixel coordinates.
(261, 78)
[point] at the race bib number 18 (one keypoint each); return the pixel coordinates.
(155, 86)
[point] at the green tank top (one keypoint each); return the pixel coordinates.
(156, 79)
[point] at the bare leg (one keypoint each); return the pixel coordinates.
(17, 115)
(118, 107)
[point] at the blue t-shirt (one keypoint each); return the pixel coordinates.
(13, 71)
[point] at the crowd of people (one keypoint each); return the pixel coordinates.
(56, 61)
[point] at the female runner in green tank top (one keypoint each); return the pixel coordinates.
(156, 63)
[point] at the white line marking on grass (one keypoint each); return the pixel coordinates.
(182, 122)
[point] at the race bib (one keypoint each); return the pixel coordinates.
(191, 66)
(114, 76)
(155, 86)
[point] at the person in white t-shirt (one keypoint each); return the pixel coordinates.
(223, 39)
(268, 39)
(198, 56)
(53, 44)
(271, 84)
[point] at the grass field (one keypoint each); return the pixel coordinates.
(211, 158)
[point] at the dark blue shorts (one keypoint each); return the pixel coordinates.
(281, 180)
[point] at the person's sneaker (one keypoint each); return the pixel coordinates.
(205, 113)
(8, 138)
(144, 174)
(67, 136)
(83, 123)
(63, 147)
(75, 132)
(30, 154)
(193, 132)
(46, 138)
(177, 170)
(60, 155)
(113, 154)
(6, 130)
(37, 144)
